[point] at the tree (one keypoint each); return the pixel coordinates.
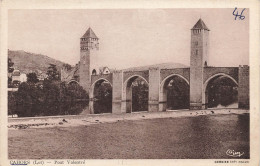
(10, 69)
(24, 100)
(53, 73)
(177, 93)
(11, 103)
(53, 98)
(32, 78)
(67, 66)
(10, 65)
(76, 91)
(73, 98)
(221, 91)
(139, 95)
(103, 98)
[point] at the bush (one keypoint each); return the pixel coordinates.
(52, 98)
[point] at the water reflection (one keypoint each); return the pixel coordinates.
(102, 97)
(209, 136)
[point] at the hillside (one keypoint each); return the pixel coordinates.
(29, 62)
(161, 66)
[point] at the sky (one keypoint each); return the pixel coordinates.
(130, 37)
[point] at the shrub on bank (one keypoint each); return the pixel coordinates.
(46, 99)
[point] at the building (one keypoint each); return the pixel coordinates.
(16, 75)
(23, 77)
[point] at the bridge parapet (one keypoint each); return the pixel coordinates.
(210, 72)
(184, 72)
(107, 77)
(128, 74)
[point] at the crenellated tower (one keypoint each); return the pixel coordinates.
(88, 52)
(198, 60)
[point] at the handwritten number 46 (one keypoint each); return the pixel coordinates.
(241, 17)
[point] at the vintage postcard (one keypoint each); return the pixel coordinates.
(86, 82)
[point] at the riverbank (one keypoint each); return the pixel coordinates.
(78, 120)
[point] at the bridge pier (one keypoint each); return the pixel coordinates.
(196, 88)
(91, 100)
(154, 86)
(117, 91)
(162, 99)
(162, 106)
(126, 102)
(243, 87)
(91, 106)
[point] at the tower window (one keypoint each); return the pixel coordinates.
(197, 52)
(196, 43)
(205, 64)
(94, 72)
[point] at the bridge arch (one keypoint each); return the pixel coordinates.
(92, 96)
(127, 94)
(163, 81)
(73, 81)
(163, 95)
(205, 92)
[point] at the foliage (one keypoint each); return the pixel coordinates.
(221, 91)
(32, 78)
(23, 100)
(67, 66)
(10, 69)
(178, 93)
(11, 103)
(46, 99)
(10, 66)
(15, 84)
(139, 95)
(53, 73)
(9, 82)
(103, 98)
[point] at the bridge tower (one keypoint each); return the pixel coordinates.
(198, 60)
(88, 52)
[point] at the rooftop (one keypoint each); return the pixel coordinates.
(200, 25)
(89, 34)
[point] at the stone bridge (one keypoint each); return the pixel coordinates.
(156, 79)
(196, 78)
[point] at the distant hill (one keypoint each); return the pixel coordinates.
(29, 62)
(160, 66)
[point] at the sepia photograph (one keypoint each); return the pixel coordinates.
(159, 83)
